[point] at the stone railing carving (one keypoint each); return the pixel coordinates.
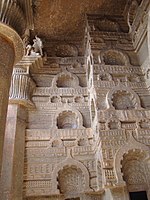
(43, 152)
(46, 91)
(22, 87)
(117, 69)
(110, 84)
(39, 135)
(36, 187)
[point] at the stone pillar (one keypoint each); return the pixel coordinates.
(148, 33)
(14, 141)
(116, 193)
(11, 51)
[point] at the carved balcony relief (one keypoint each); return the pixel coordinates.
(22, 87)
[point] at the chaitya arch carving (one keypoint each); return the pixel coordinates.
(131, 146)
(71, 181)
(70, 163)
(69, 119)
(114, 57)
(113, 124)
(123, 98)
(133, 170)
(65, 80)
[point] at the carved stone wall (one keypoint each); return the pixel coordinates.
(114, 80)
(87, 132)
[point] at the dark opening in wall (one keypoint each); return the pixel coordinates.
(138, 195)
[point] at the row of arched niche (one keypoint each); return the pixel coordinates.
(131, 169)
(109, 57)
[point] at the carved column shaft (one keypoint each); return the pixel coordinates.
(14, 141)
(11, 51)
(148, 35)
(6, 63)
(116, 193)
(13, 162)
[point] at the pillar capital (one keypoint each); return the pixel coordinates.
(23, 17)
(22, 87)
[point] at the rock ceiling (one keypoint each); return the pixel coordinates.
(65, 18)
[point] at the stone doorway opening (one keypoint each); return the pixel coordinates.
(142, 195)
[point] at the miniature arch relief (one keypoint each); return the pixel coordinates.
(122, 98)
(65, 80)
(71, 180)
(133, 169)
(132, 145)
(69, 162)
(69, 118)
(113, 123)
(114, 57)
